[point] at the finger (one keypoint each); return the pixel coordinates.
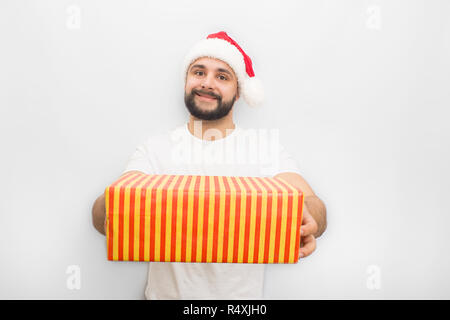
(309, 245)
(309, 228)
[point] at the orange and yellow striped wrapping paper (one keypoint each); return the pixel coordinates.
(188, 218)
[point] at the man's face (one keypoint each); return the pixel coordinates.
(211, 89)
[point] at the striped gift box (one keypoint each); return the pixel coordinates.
(188, 218)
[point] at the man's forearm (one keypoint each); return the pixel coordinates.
(318, 211)
(99, 214)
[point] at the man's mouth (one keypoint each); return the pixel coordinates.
(205, 97)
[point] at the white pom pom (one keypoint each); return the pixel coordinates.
(252, 91)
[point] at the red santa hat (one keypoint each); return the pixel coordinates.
(221, 46)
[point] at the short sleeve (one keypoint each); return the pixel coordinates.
(140, 160)
(287, 162)
(280, 160)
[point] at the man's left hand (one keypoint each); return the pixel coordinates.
(308, 229)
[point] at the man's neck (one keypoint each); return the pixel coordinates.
(211, 129)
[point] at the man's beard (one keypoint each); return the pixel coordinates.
(222, 109)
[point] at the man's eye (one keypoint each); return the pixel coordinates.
(222, 77)
(197, 72)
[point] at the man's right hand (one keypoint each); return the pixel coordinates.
(99, 214)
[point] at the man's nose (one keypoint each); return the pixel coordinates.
(208, 82)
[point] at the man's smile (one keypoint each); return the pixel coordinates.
(205, 97)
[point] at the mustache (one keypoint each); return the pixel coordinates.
(206, 93)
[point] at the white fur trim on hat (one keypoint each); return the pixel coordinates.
(252, 91)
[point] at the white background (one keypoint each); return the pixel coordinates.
(359, 90)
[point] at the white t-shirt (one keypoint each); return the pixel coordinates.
(243, 152)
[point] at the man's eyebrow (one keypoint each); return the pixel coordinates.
(201, 66)
(225, 71)
(198, 66)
